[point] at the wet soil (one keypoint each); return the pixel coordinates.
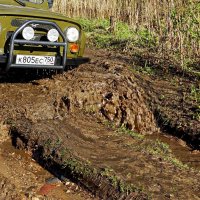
(171, 93)
(167, 91)
(22, 178)
(70, 124)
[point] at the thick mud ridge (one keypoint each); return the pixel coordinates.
(168, 91)
(68, 123)
(107, 91)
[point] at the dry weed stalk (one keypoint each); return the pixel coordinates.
(175, 22)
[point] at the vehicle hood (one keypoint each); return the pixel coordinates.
(12, 10)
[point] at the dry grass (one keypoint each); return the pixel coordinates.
(175, 23)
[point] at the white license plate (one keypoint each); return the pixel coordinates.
(35, 60)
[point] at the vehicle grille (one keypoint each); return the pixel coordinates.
(37, 37)
(20, 22)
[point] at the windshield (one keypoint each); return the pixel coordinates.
(50, 2)
(35, 1)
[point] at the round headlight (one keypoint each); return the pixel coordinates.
(28, 33)
(72, 34)
(52, 35)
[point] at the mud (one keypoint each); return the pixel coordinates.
(168, 93)
(70, 124)
(104, 91)
(21, 178)
(180, 149)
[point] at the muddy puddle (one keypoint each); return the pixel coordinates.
(22, 178)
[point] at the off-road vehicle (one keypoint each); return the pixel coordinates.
(31, 36)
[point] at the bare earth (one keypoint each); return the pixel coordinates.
(21, 178)
(70, 123)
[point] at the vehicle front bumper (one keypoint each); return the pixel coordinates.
(69, 62)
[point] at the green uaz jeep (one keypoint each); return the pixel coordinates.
(33, 37)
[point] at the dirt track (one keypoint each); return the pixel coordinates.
(68, 123)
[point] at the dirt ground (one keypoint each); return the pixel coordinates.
(21, 178)
(77, 125)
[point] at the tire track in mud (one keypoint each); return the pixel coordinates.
(60, 121)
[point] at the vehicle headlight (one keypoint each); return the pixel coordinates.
(72, 34)
(52, 35)
(28, 33)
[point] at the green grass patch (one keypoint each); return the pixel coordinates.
(195, 96)
(156, 148)
(133, 134)
(124, 36)
(162, 150)
(118, 183)
(143, 41)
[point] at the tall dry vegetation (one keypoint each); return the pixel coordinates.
(175, 23)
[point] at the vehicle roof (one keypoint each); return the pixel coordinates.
(14, 9)
(44, 5)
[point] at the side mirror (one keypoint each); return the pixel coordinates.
(50, 3)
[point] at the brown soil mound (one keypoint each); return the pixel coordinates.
(171, 93)
(105, 89)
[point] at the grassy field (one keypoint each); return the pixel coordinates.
(172, 25)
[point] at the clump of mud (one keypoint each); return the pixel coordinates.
(105, 90)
